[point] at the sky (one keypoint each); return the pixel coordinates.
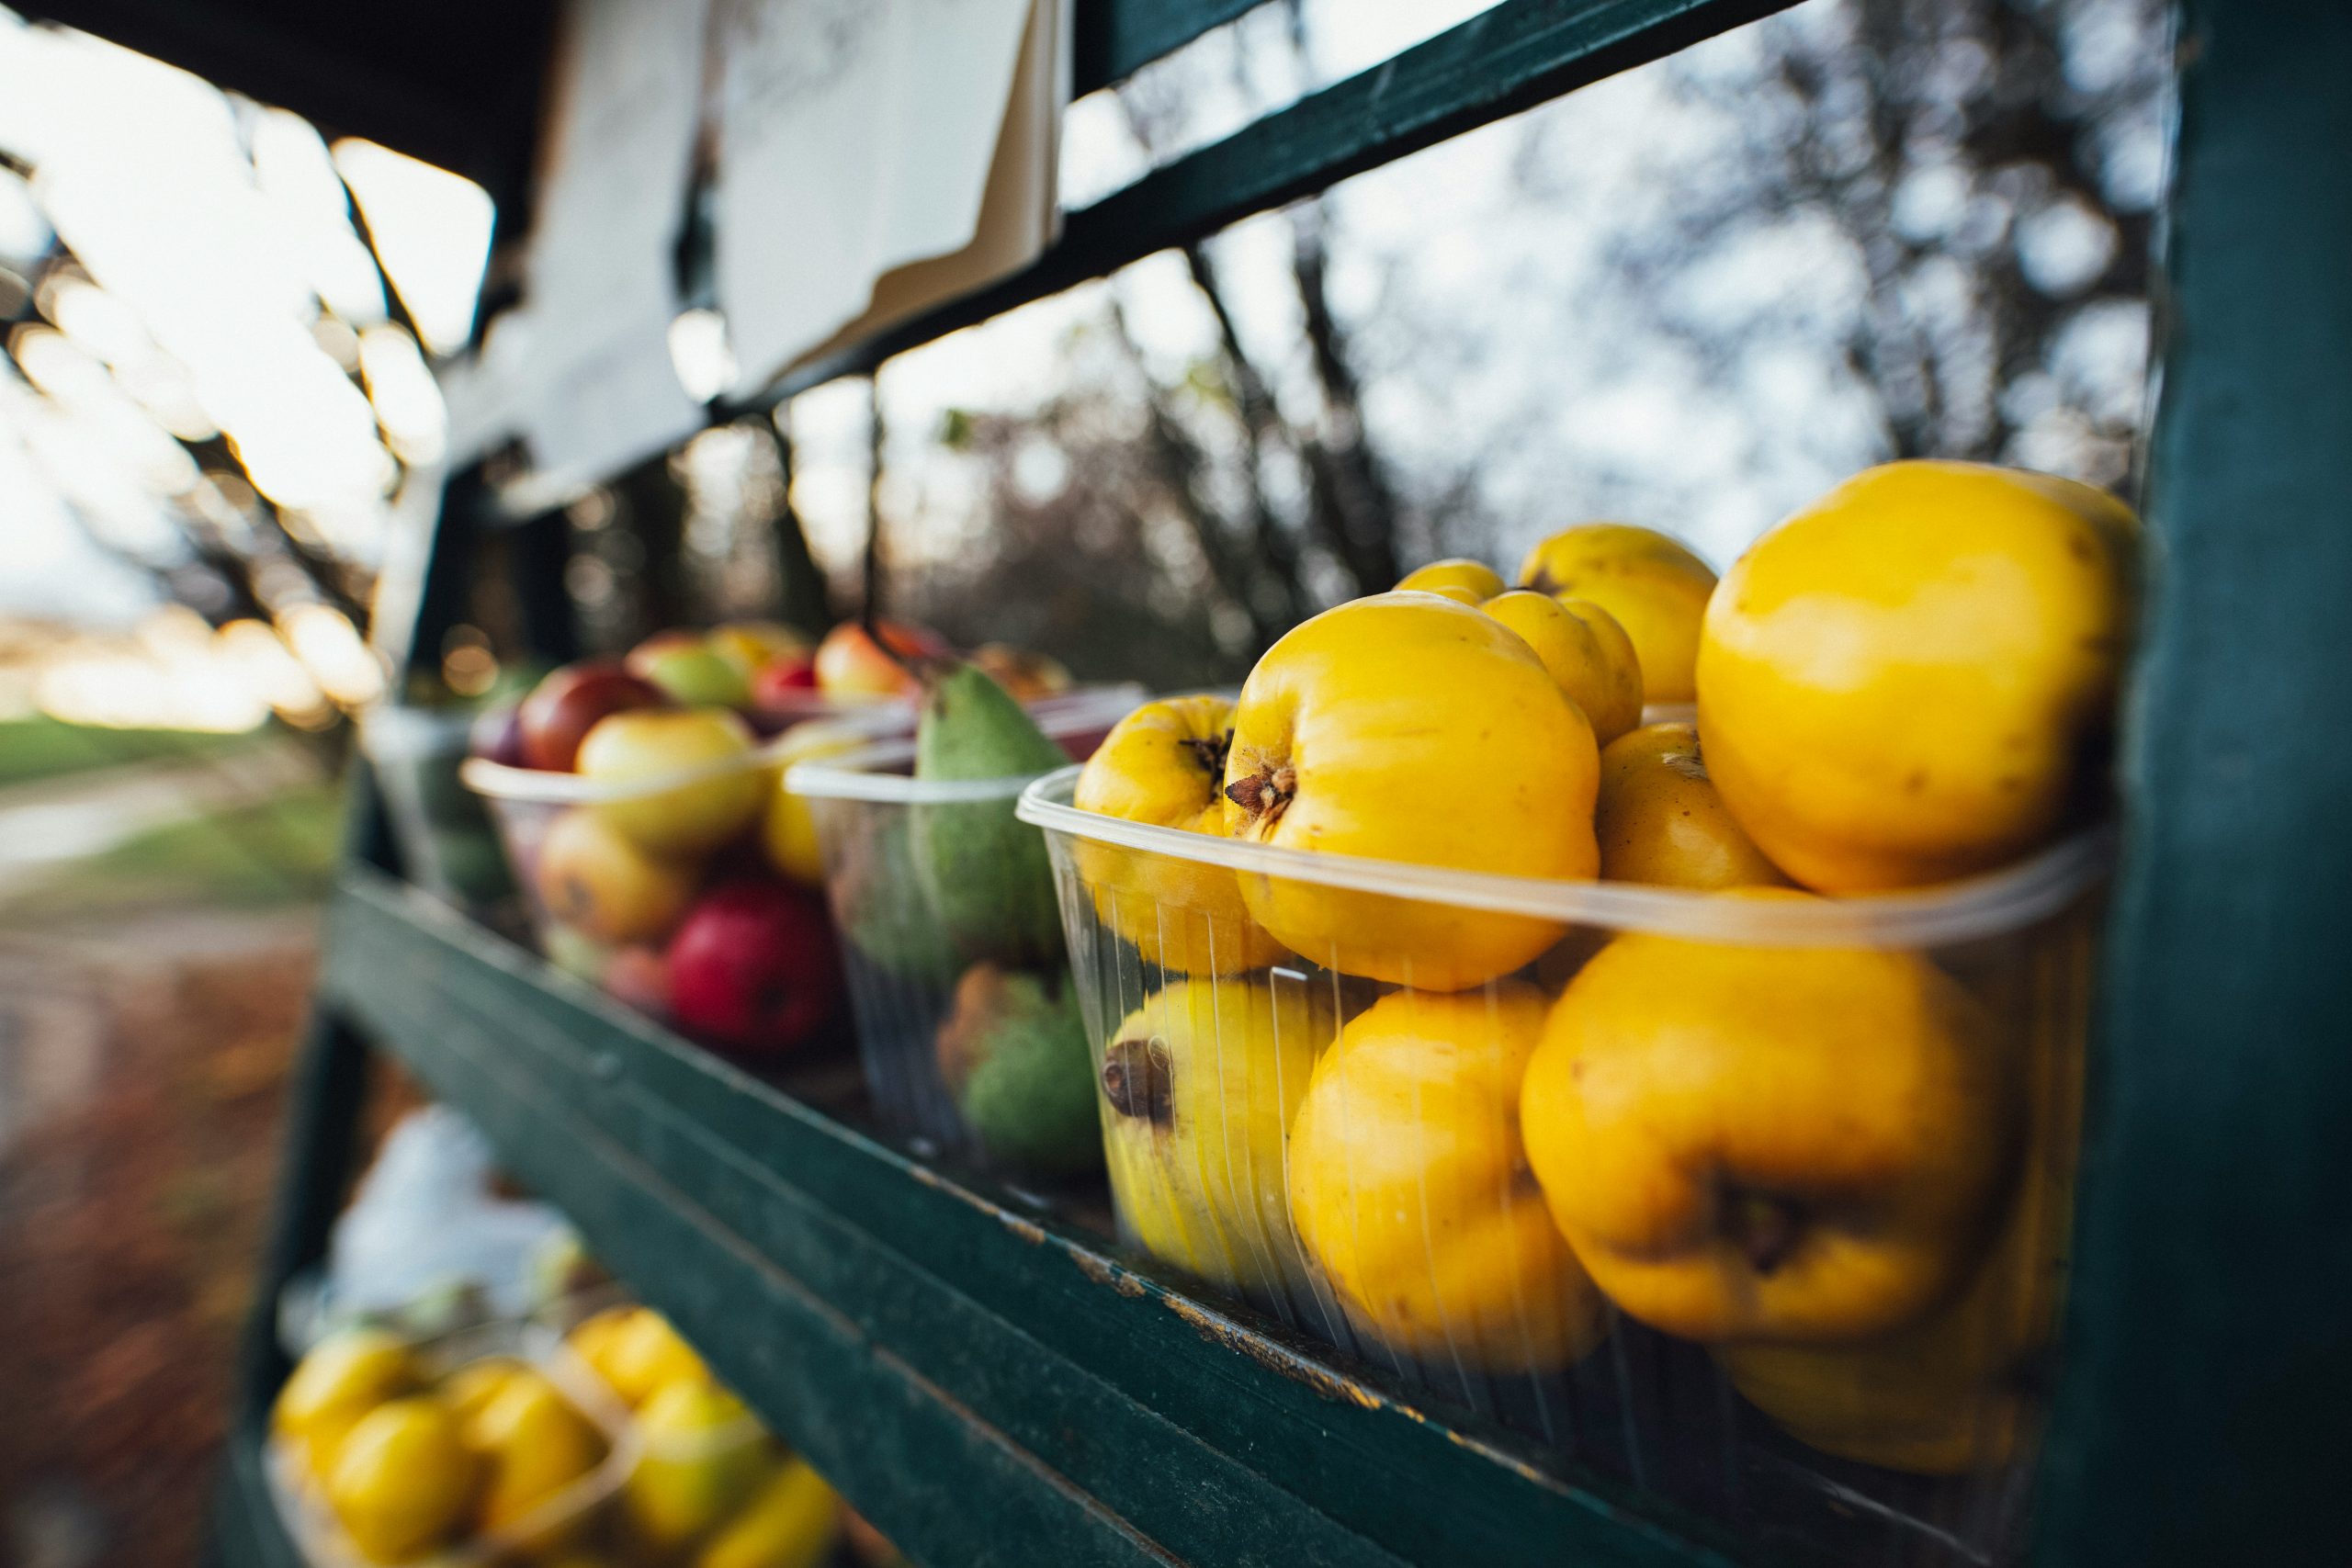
(227, 292)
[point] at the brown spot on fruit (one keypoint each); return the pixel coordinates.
(1137, 1081)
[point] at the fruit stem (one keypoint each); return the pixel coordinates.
(1266, 794)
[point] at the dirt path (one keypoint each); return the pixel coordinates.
(142, 1072)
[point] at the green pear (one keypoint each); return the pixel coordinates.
(885, 913)
(1013, 1053)
(985, 873)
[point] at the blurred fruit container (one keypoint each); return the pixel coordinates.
(490, 1445)
(1723, 1192)
(710, 1484)
(692, 894)
(968, 1023)
(444, 838)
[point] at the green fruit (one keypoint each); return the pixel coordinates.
(1013, 1054)
(986, 873)
(699, 677)
(889, 921)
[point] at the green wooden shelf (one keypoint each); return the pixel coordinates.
(939, 1347)
(245, 1528)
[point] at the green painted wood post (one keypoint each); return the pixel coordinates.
(2206, 1412)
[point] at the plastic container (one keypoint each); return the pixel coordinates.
(967, 1025)
(583, 1513)
(727, 944)
(1815, 1157)
(447, 843)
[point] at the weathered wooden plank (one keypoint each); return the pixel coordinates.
(2206, 1405)
(1509, 59)
(1112, 40)
(1220, 1443)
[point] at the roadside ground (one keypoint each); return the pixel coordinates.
(158, 910)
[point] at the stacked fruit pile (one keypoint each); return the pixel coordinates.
(967, 1017)
(1464, 1125)
(496, 1457)
(410, 1459)
(710, 1486)
(644, 815)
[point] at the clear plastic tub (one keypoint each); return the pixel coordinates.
(1756, 1199)
(968, 1024)
(447, 843)
(727, 943)
(583, 1513)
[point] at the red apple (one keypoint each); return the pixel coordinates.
(752, 969)
(789, 678)
(850, 664)
(568, 704)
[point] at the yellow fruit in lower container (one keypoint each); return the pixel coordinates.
(704, 1455)
(1908, 680)
(1406, 728)
(636, 1353)
(402, 1479)
(1587, 652)
(791, 1521)
(1804, 1145)
(1199, 1088)
(1467, 582)
(1661, 820)
(533, 1443)
(1652, 583)
(1164, 765)
(1409, 1185)
(343, 1378)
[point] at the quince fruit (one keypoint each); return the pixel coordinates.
(787, 828)
(1806, 1144)
(636, 1353)
(1164, 764)
(1200, 1085)
(1652, 583)
(343, 1377)
(533, 1443)
(705, 1454)
(791, 1521)
(1660, 818)
(1906, 682)
(1406, 728)
(1471, 583)
(1409, 1185)
(402, 1478)
(1587, 652)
